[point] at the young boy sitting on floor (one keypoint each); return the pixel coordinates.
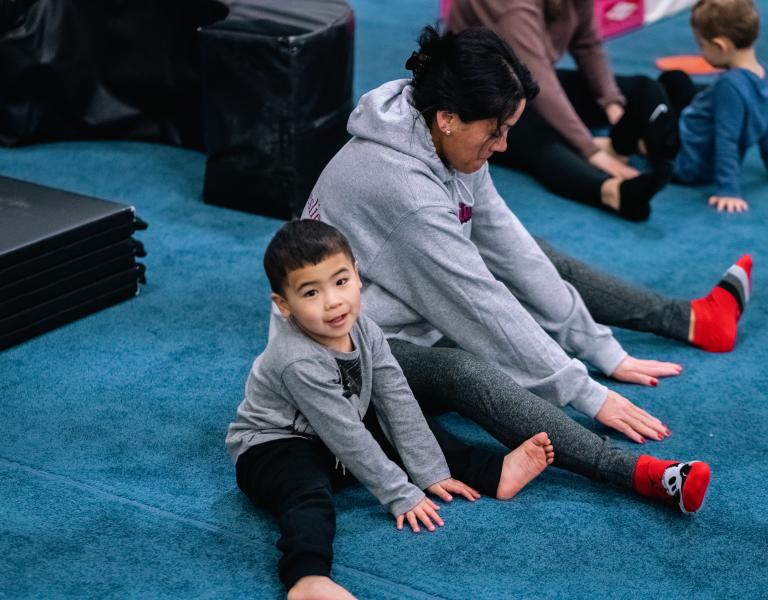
(326, 405)
(719, 124)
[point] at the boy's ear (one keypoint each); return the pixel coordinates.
(282, 305)
(722, 43)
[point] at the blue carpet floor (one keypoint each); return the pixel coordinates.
(114, 481)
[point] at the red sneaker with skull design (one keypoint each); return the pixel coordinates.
(682, 484)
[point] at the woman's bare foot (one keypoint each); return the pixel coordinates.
(609, 193)
(523, 464)
(317, 587)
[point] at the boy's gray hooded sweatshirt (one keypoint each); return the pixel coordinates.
(441, 254)
(295, 389)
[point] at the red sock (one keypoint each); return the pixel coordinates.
(681, 484)
(717, 314)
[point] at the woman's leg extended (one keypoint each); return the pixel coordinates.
(535, 148)
(615, 302)
(451, 379)
(292, 479)
(582, 97)
(649, 115)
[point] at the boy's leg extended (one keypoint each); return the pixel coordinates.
(614, 302)
(292, 479)
(451, 379)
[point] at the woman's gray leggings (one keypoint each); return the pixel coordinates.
(447, 379)
(616, 303)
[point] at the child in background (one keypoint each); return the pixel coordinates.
(326, 405)
(719, 124)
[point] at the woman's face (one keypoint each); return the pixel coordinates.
(467, 146)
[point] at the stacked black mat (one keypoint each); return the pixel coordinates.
(62, 256)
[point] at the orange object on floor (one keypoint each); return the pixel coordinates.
(693, 64)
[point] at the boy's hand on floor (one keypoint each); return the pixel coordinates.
(644, 372)
(728, 204)
(620, 414)
(425, 511)
(443, 490)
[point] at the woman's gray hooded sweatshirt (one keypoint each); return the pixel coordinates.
(441, 254)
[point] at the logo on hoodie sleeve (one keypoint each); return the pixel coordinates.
(313, 208)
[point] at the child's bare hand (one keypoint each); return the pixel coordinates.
(425, 511)
(444, 488)
(728, 203)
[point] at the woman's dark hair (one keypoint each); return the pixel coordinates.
(474, 74)
(301, 243)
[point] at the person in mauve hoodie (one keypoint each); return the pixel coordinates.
(474, 311)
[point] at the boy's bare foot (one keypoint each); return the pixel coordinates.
(523, 464)
(317, 587)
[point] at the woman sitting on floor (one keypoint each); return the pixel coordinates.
(442, 256)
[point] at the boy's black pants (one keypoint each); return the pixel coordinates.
(294, 479)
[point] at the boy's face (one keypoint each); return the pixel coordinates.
(324, 299)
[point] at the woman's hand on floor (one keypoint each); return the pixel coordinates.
(644, 372)
(425, 511)
(620, 414)
(442, 489)
(613, 166)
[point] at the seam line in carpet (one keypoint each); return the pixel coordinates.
(160, 512)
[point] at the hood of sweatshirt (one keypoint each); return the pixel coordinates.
(386, 116)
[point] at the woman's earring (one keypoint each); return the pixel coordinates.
(447, 132)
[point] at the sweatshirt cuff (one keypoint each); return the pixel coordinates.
(407, 501)
(606, 357)
(424, 481)
(591, 399)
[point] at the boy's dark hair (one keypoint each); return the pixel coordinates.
(736, 20)
(474, 74)
(301, 243)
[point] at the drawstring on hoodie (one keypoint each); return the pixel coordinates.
(343, 468)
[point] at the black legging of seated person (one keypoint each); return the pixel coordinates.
(536, 148)
(295, 478)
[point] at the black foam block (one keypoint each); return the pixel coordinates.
(36, 220)
(72, 301)
(66, 315)
(277, 93)
(62, 256)
(86, 268)
(78, 249)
